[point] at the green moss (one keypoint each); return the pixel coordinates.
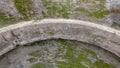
(37, 54)
(24, 7)
(38, 65)
(80, 59)
(32, 60)
(99, 10)
(6, 19)
(83, 60)
(72, 57)
(56, 9)
(97, 14)
(101, 64)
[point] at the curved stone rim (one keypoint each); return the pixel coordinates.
(31, 31)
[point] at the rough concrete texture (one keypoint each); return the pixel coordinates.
(113, 4)
(8, 7)
(31, 31)
(114, 7)
(39, 8)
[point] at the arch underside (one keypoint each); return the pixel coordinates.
(31, 31)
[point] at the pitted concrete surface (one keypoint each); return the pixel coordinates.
(31, 31)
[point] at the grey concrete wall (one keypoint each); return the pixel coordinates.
(114, 7)
(31, 31)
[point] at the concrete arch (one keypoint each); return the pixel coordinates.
(31, 31)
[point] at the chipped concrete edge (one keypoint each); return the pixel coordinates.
(31, 31)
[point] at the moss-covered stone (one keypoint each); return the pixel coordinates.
(56, 9)
(24, 7)
(7, 18)
(98, 10)
(70, 57)
(81, 59)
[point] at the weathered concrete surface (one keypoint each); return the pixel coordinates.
(114, 7)
(31, 31)
(113, 4)
(8, 7)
